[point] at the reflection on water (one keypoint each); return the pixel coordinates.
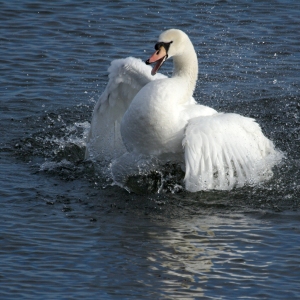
(234, 254)
(72, 239)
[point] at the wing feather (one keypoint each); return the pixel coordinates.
(226, 150)
(126, 78)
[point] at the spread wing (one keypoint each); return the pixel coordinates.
(226, 150)
(126, 77)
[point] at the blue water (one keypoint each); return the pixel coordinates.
(66, 233)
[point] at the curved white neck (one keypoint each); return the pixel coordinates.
(186, 67)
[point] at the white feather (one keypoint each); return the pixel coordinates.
(126, 78)
(223, 151)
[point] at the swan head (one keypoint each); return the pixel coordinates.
(172, 42)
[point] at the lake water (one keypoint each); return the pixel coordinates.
(66, 232)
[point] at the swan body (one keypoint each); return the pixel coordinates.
(144, 113)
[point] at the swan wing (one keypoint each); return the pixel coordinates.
(126, 78)
(223, 151)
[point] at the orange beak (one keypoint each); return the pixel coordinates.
(159, 56)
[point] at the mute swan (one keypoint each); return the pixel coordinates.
(142, 112)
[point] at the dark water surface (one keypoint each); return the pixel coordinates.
(66, 233)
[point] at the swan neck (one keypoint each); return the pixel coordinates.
(186, 67)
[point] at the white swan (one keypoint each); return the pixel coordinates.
(156, 116)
